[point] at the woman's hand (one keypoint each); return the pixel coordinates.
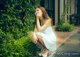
(37, 17)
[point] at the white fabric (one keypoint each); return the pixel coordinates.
(49, 38)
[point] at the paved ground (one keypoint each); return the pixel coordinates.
(68, 44)
(71, 48)
(63, 36)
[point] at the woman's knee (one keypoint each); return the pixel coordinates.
(40, 38)
(32, 37)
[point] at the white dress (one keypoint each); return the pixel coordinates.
(49, 38)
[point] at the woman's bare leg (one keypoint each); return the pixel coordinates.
(40, 40)
(32, 37)
(37, 39)
(44, 52)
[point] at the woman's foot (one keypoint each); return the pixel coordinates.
(43, 53)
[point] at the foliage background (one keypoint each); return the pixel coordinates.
(16, 19)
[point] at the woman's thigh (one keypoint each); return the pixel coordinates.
(35, 36)
(40, 38)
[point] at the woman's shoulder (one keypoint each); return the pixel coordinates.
(49, 20)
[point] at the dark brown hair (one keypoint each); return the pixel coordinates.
(44, 13)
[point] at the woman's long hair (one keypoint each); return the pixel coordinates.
(44, 14)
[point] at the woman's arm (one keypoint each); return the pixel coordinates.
(46, 24)
(35, 29)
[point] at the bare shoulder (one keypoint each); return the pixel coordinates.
(49, 20)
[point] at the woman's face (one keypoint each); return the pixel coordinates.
(38, 12)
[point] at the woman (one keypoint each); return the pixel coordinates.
(43, 34)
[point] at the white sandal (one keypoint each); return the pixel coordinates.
(45, 54)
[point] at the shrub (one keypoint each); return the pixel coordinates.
(16, 19)
(65, 27)
(21, 47)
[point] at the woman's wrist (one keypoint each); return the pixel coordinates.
(37, 17)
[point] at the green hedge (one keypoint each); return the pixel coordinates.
(21, 47)
(16, 19)
(65, 27)
(17, 16)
